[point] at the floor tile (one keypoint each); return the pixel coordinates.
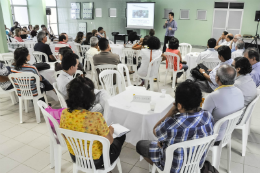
(251, 147)
(255, 129)
(29, 124)
(7, 164)
(252, 160)
(47, 150)
(138, 170)
(5, 125)
(27, 136)
(14, 131)
(142, 164)
(235, 167)
(41, 128)
(40, 143)
(23, 153)
(8, 115)
(252, 137)
(66, 167)
(23, 169)
(10, 146)
(3, 139)
(16, 119)
(129, 156)
(128, 145)
(125, 168)
(250, 169)
(38, 161)
(66, 156)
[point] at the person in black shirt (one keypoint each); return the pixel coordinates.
(15, 26)
(42, 47)
(34, 31)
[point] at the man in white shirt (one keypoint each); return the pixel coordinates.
(222, 38)
(94, 46)
(227, 42)
(233, 42)
(210, 53)
(240, 45)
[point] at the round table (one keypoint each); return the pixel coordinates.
(191, 59)
(137, 116)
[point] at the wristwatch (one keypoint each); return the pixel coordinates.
(203, 72)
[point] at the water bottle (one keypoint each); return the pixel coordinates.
(29, 37)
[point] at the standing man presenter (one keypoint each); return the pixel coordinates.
(171, 27)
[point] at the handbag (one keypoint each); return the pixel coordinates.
(208, 168)
(42, 66)
(195, 72)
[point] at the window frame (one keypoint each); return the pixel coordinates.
(56, 15)
(13, 13)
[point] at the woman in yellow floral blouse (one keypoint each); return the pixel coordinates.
(77, 117)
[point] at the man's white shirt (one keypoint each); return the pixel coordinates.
(225, 43)
(237, 53)
(210, 53)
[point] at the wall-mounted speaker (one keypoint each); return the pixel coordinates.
(48, 11)
(257, 16)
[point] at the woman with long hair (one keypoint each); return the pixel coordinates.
(141, 44)
(30, 28)
(94, 32)
(24, 32)
(79, 37)
(87, 41)
(17, 33)
(34, 31)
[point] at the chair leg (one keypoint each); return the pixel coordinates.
(135, 74)
(165, 77)
(26, 105)
(75, 170)
(216, 154)
(154, 168)
(37, 110)
(174, 79)
(52, 160)
(45, 98)
(229, 156)
(244, 139)
(151, 85)
(12, 95)
(21, 109)
(119, 166)
(158, 86)
(57, 154)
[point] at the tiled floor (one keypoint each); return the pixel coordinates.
(24, 148)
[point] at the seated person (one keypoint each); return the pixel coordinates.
(24, 32)
(87, 41)
(16, 25)
(173, 48)
(141, 44)
(9, 32)
(34, 31)
(210, 84)
(21, 57)
(92, 123)
(151, 32)
(94, 49)
(222, 38)
(210, 53)
(17, 35)
(62, 52)
(70, 64)
(229, 38)
(226, 99)
(253, 56)
(5, 83)
(185, 121)
(132, 36)
(63, 39)
(79, 37)
(42, 47)
(94, 33)
(101, 33)
(233, 42)
(239, 52)
(243, 79)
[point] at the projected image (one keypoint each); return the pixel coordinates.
(140, 13)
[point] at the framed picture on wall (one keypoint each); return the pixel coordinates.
(83, 27)
(87, 10)
(75, 10)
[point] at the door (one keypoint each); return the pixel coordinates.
(234, 21)
(219, 22)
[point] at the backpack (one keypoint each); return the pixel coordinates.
(208, 168)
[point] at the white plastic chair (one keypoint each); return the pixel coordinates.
(229, 122)
(38, 56)
(191, 160)
(23, 80)
(170, 60)
(14, 40)
(10, 93)
(59, 46)
(244, 124)
(121, 68)
(101, 68)
(7, 39)
(106, 78)
(29, 45)
(77, 72)
(63, 103)
(84, 161)
(210, 63)
(8, 58)
(154, 66)
(84, 49)
(94, 76)
(34, 39)
(130, 54)
(57, 142)
(111, 42)
(185, 48)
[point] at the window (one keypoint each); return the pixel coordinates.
(166, 12)
(230, 5)
(201, 15)
(20, 12)
(52, 18)
(185, 14)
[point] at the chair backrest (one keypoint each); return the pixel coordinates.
(59, 46)
(84, 160)
(136, 41)
(77, 72)
(8, 58)
(231, 122)
(154, 66)
(130, 54)
(78, 48)
(7, 39)
(111, 42)
(63, 103)
(23, 83)
(191, 160)
(35, 39)
(249, 110)
(84, 49)
(38, 56)
(14, 40)
(57, 73)
(29, 45)
(56, 125)
(106, 67)
(170, 60)
(210, 63)
(185, 48)
(106, 79)
(121, 68)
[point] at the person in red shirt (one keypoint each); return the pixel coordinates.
(17, 33)
(63, 39)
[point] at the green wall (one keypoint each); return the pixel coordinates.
(37, 12)
(3, 42)
(198, 32)
(7, 14)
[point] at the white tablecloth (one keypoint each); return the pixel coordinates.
(191, 59)
(49, 75)
(137, 116)
(117, 49)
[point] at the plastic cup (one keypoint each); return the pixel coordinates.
(152, 105)
(163, 92)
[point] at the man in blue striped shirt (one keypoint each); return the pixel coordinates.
(171, 27)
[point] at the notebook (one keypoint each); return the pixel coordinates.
(119, 130)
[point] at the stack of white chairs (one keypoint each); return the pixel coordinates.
(38, 56)
(130, 54)
(94, 76)
(185, 48)
(23, 80)
(84, 49)
(170, 60)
